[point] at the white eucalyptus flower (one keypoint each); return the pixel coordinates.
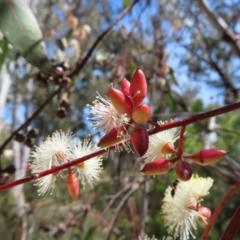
(104, 115)
(180, 206)
(158, 141)
(54, 151)
(88, 171)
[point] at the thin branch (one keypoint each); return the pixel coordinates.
(225, 78)
(28, 121)
(196, 118)
(55, 169)
(81, 64)
(116, 196)
(120, 206)
(178, 123)
(219, 208)
(221, 26)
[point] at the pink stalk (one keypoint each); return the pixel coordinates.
(219, 208)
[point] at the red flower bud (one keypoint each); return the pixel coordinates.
(138, 87)
(72, 185)
(125, 86)
(121, 103)
(205, 212)
(156, 167)
(111, 138)
(141, 113)
(207, 156)
(140, 139)
(183, 170)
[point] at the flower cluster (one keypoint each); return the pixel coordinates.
(58, 149)
(124, 108)
(120, 117)
(182, 206)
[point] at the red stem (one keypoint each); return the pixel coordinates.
(54, 169)
(181, 140)
(161, 128)
(219, 208)
(195, 118)
(233, 227)
(150, 122)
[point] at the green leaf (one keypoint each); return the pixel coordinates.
(3, 50)
(20, 27)
(172, 76)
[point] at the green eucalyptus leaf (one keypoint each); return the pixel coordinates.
(20, 27)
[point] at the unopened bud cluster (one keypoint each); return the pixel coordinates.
(60, 78)
(124, 108)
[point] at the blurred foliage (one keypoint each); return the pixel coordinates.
(176, 47)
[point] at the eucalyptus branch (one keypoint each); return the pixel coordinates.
(196, 118)
(178, 123)
(29, 120)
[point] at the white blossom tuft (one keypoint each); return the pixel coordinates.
(179, 210)
(104, 115)
(157, 141)
(88, 171)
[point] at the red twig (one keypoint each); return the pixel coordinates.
(161, 128)
(195, 118)
(233, 227)
(53, 170)
(150, 122)
(180, 143)
(82, 63)
(219, 208)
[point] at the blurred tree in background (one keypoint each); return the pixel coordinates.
(191, 63)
